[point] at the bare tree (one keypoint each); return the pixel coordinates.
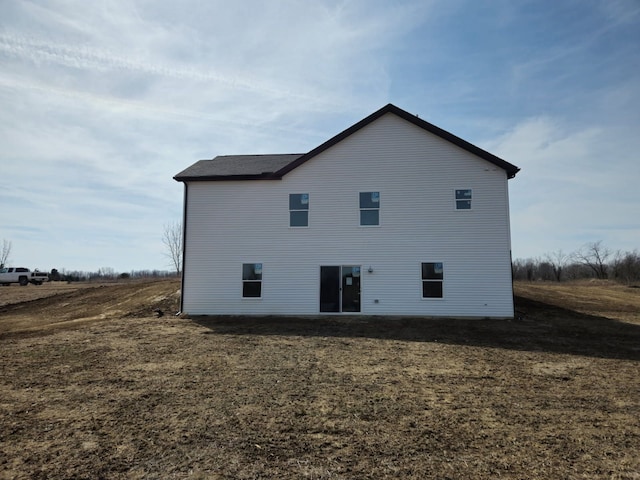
(527, 269)
(172, 239)
(592, 260)
(594, 255)
(625, 266)
(558, 261)
(5, 251)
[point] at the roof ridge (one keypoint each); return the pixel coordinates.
(281, 165)
(511, 169)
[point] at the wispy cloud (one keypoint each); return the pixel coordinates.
(268, 53)
(102, 103)
(575, 186)
(101, 61)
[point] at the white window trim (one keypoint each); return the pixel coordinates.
(306, 210)
(432, 299)
(455, 200)
(361, 209)
(242, 280)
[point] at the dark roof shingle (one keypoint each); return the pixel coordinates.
(237, 167)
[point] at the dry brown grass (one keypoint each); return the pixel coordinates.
(127, 395)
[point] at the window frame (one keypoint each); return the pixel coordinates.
(368, 209)
(457, 199)
(424, 280)
(249, 280)
(292, 210)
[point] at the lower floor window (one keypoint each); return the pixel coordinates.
(432, 280)
(252, 280)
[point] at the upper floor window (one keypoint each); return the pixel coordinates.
(432, 280)
(252, 280)
(463, 199)
(298, 209)
(369, 208)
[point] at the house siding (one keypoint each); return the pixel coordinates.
(416, 172)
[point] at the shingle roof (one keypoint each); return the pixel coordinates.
(274, 167)
(237, 167)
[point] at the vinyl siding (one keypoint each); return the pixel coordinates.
(416, 173)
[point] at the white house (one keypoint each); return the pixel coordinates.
(393, 216)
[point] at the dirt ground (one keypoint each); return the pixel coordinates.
(93, 385)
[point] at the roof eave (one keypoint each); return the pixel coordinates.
(226, 178)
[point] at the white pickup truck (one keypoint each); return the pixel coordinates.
(23, 276)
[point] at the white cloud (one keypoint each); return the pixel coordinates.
(576, 186)
(285, 52)
(102, 103)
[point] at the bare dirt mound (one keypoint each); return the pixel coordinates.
(88, 303)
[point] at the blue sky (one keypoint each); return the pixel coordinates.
(101, 103)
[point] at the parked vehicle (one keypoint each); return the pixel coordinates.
(23, 276)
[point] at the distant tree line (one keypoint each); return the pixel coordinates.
(172, 239)
(106, 274)
(593, 260)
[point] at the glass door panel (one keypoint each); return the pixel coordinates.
(350, 288)
(330, 289)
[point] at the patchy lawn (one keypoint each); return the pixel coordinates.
(117, 393)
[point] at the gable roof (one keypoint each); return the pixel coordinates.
(274, 167)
